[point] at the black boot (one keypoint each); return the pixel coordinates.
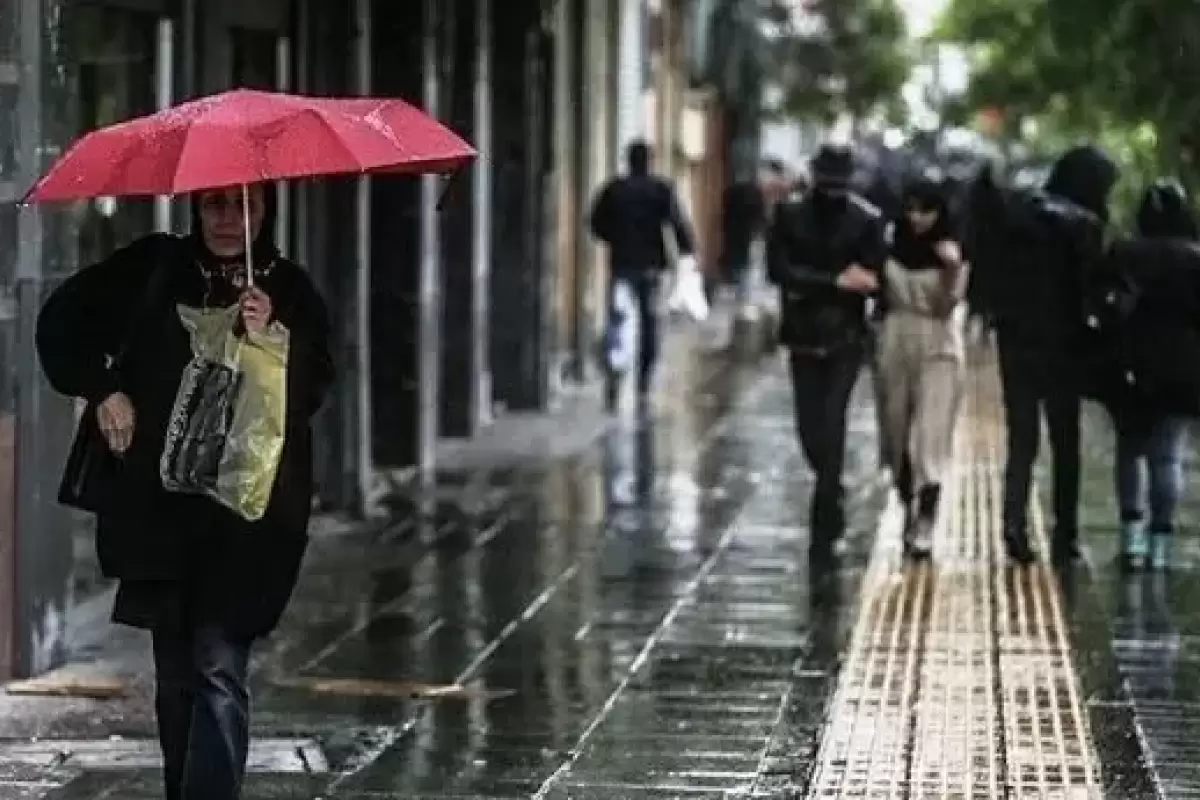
(827, 522)
(1017, 547)
(918, 540)
(612, 393)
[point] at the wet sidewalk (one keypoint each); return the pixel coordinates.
(637, 619)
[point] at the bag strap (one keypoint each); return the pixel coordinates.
(149, 300)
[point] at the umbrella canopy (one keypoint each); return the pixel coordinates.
(245, 136)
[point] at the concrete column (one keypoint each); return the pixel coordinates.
(36, 542)
(430, 312)
(363, 435)
(481, 256)
(460, 367)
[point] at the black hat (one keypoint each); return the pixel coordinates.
(833, 165)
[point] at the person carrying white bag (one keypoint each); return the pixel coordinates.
(630, 215)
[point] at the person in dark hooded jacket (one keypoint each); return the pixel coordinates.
(1147, 317)
(826, 251)
(205, 582)
(1030, 254)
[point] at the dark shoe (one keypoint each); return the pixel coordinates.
(1066, 552)
(1016, 546)
(612, 394)
(918, 545)
(918, 540)
(645, 403)
(1065, 545)
(825, 549)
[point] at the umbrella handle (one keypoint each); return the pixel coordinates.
(248, 238)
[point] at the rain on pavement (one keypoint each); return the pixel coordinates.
(639, 619)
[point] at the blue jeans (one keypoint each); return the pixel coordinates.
(1149, 470)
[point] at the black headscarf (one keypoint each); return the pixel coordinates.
(263, 248)
(1085, 175)
(916, 250)
(1165, 213)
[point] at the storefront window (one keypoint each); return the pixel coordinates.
(255, 59)
(114, 51)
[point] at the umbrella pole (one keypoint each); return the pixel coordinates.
(248, 238)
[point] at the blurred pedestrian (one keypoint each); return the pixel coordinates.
(747, 208)
(629, 214)
(826, 252)
(1031, 251)
(204, 581)
(921, 357)
(1145, 307)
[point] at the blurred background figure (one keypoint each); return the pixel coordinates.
(631, 214)
(746, 209)
(1145, 310)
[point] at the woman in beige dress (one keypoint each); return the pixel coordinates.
(921, 358)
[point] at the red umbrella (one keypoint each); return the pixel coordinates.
(242, 137)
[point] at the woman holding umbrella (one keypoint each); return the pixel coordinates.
(208, 576)
(205, 582)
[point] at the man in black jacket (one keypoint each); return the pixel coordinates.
(826, 252)
(1032, 254)
(629, 215)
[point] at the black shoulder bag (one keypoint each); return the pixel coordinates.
(93, 472)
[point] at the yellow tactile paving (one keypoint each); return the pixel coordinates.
(959, 681)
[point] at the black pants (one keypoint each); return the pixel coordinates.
(821, 389)
(646, 285)
(1035, 382)
(203, 708)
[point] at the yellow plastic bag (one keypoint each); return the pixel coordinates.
(226, 430)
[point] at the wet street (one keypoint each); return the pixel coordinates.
(639, 619)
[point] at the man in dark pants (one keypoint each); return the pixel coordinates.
(1032, 254)
(825, 252)
(629, 215)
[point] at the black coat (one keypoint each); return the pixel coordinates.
(630, 214)
(245, 570)
(808, 246)
(1030, 250)
(1144, 328)
(1029, 259)
(744, 215)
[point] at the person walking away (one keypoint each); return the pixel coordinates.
(921, 357)
(744, 217)
(825, 253)
(1030, 253)
(1146, 310)
(204, 581)
(630, 214)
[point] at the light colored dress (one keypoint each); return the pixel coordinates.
(920, 370)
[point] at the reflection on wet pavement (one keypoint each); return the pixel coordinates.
(1138, 633)
(639, 620)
